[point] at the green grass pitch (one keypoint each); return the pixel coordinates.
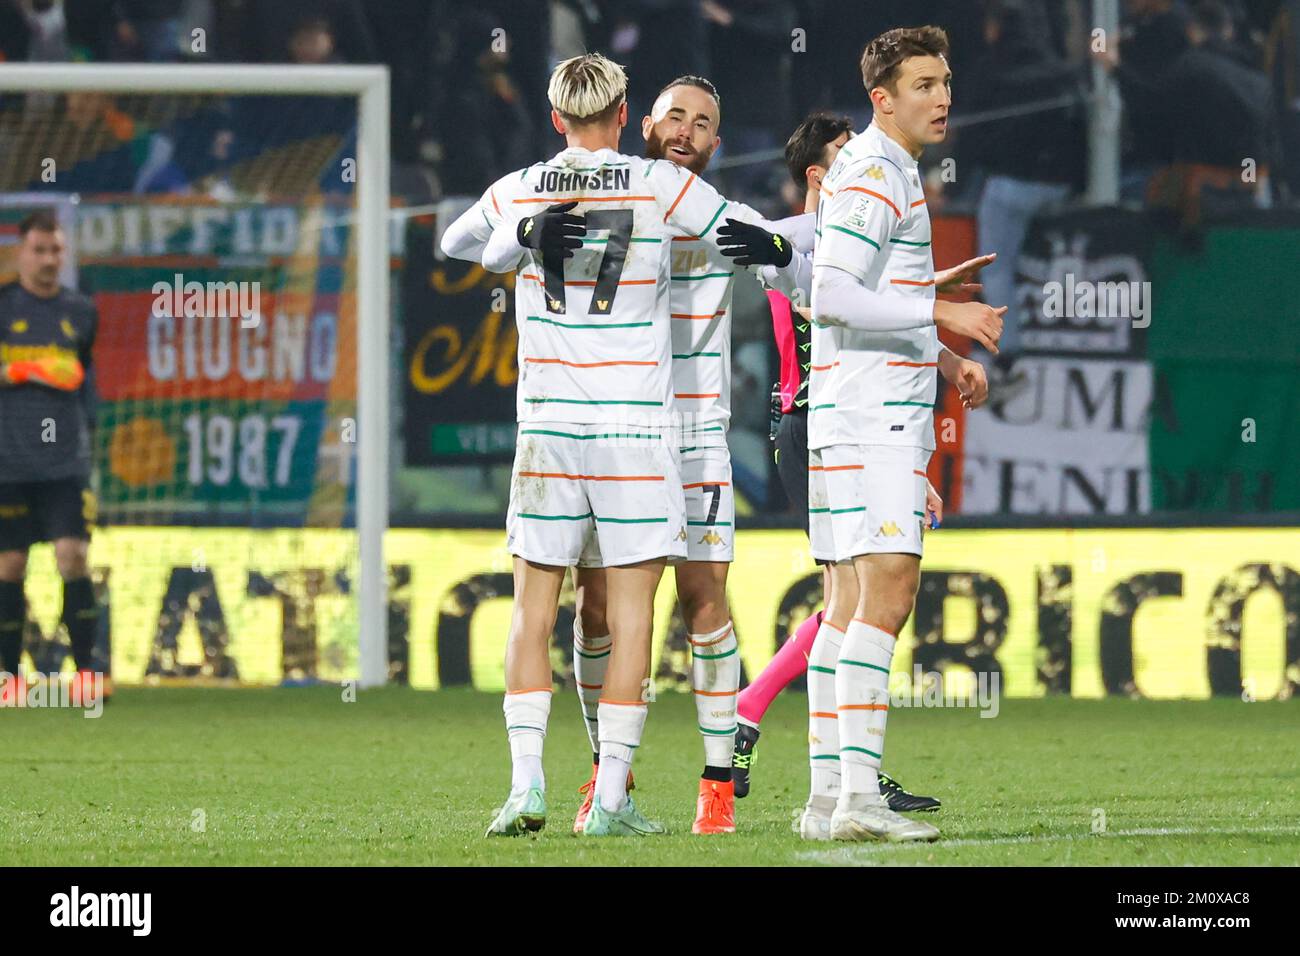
(217, 777)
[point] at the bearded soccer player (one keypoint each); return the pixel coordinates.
(46, 417)
(682, 128)
(598, 449)
(809, 154)
(871, 412)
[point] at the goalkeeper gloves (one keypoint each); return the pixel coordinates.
(555, 231)
(752, 245)
(65, 374)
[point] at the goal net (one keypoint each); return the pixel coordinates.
(219, 229)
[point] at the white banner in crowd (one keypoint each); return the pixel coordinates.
(1074, 441)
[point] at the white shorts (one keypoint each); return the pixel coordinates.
(710, 504)
(710, 509)
(866, 499)
(620, 486)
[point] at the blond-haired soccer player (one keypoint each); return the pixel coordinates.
(598, 448)
(871, 418)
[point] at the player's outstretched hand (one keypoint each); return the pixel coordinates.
(961, 278)
(974, 320)
(65, 374)
(751, 245)
(555, 231)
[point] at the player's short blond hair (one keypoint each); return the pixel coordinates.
(587, 89)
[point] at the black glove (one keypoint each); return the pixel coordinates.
(751, 245)
(554, 231)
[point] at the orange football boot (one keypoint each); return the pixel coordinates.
(716, 810)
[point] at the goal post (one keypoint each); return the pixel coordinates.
(370, 85)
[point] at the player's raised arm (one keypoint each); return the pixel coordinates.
(737, 231)
(556, 232)
(467, 237)
(857, 222)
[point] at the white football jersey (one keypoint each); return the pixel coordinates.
(699, 299)
(874, 388)
(595, 333)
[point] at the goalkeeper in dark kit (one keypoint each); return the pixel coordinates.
(46, 417)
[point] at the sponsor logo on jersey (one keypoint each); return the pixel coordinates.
(19, 325)
(875, 172)
(857, 217)
(68, 330)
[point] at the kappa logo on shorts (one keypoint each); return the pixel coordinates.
(711, 537)
(681, 534)
(888, 530)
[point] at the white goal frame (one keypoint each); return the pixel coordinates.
(370, 85)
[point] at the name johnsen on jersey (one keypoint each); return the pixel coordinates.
(552, 181)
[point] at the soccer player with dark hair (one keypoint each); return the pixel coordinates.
(810, 153)
(47, 415)
(875, 357)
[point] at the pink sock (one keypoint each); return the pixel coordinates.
(790, 661)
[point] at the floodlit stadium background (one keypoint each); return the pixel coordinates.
(1125, 523)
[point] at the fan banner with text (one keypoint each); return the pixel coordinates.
(225, 358)
(1157, 612)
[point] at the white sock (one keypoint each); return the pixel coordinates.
(823, 718)
(862, 689)
(590, 660)
(715, 677)
(527, 713)
(621, 726)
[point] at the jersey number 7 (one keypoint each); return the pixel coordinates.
(619, 224)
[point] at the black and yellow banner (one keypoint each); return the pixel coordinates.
(1160, 613)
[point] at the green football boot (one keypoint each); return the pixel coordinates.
(626, 821)
(524, 812)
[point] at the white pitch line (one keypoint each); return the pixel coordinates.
(849, 854)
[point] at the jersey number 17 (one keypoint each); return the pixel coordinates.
(619, 224)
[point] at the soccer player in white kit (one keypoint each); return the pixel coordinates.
(598, 449)
(871, 418)
(683, 128)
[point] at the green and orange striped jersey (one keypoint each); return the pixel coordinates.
(595, 332)
(874, 388)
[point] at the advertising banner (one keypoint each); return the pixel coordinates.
(1159, 613)
(460, 361)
